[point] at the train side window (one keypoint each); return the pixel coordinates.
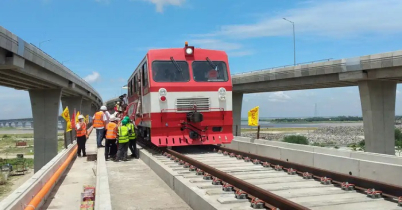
(136, 83)
(144, 75)
(130, 88)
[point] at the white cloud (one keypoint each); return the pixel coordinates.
(233, 49)
(160, 4)
(279, 96)
(94, 77)
(325, 18)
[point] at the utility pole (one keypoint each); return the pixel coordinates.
(294, 40)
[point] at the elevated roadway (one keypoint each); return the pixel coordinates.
(25, 67)
(376, 76)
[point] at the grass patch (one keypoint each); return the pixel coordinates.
(296, 139)
(278, 129)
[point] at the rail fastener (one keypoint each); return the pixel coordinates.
(291, 171)
(256, 161)
(372, 193)
(388, 191)
(346, 186)
(239, 157)
(216, 181)
(247, 159)
(240, 194)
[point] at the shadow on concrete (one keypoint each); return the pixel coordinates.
(57, 186)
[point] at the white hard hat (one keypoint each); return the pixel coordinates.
(81, 117)
(112, 118)
(103, 108)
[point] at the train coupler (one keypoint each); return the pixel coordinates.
(325, 180)
(227, 187)
(291, 171)
(256, 203)
(372, 193)
(307, 175)
(346, 186)
(240, 194)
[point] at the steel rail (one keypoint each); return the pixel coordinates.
(387, 190)
(266, 196)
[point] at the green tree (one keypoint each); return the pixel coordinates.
(296, 139)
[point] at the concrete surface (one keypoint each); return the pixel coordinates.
(133, 185)
(67, 193)
(18, 199)
(379, 167)
(102, 199)
(378, 108)
(45, 110)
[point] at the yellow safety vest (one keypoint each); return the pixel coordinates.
(132, 136)
(123, 134)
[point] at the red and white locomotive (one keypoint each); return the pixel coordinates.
(182, 96)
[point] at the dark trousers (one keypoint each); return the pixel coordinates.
(110, 148)
(122, 153)
(133, 147)
(81, 145)
(100, 133)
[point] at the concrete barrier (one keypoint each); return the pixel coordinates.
(102, 194)
(23, 194)
(379, 167)
(193, 196)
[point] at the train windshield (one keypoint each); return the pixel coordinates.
(210, 71)
(170, 71)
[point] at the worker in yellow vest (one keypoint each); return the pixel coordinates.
(123, 134)
(81, 129)
(111, 137)
(132, 145)
(99, 123)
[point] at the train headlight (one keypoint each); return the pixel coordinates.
(222, 93)
(189, 51)
(162, 94)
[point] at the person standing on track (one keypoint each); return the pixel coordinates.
(123, 133)
(99, 120)
(132, 145)
(111, 136)
(81, 129)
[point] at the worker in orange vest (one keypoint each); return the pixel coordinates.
(81, 129)
(99, 123)
(111, 137)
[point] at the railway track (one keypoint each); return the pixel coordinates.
(247, 181)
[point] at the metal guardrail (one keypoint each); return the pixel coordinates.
(277, 67)
(268, 73)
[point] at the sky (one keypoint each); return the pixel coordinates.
(104, 40)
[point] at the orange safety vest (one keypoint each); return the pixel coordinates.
(98, 120)
(83, 130)
(111, 130)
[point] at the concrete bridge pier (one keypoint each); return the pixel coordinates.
(378, 107)
(24, 124)
(45, 111)
(237, 100)
(10, 124)
(86, 107)
(16, 124)
(32, 124)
